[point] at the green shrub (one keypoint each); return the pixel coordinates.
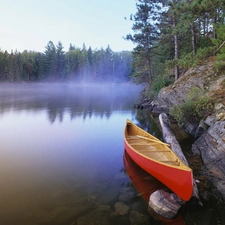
(159, 82)
(220, 57)
(204, 53)
(178, 113)
(196, 107)
(219, 66)
(151, 90)
(187, 61)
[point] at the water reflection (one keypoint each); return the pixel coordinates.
(83, 100)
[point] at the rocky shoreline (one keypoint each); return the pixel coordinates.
(209, 134)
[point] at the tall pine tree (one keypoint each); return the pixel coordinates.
(145, 37)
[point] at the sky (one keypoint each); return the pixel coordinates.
(31, 24)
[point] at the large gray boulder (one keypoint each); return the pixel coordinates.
(211, 147)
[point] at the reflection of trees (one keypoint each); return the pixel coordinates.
(78, 101)
(53, 114)
(147, 122)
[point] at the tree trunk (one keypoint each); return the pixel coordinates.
(149, 67)
(176, 53)
(193, 39)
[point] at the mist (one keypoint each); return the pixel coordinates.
(76, 99)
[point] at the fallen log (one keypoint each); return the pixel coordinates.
(170, 138)
(164, 203)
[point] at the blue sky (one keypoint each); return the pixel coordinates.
(30, 24)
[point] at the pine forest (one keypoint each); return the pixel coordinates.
(77, 64)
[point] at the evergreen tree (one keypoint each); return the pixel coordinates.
(60, 60)
(72, 63)
(72, 47)
(83, 63)
(173, 16)
(145, 37)
(1, 65)
(108, 63)
(50, 60)
(90, 56)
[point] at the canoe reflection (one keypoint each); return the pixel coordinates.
(146, 185)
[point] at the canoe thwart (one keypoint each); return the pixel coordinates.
(152, 139)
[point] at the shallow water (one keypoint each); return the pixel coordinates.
(61, 149)
(62, 156)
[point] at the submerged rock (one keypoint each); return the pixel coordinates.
(100, 216)
(121, 208)
(137, 218)
(61, 215)
(108, 196)
(126, 196)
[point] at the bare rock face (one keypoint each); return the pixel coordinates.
(176, 94)
(211, 147)
(210, 132)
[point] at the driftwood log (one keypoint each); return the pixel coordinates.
(163, 203)
(170, 138)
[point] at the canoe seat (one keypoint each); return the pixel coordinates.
(155, 151)
(175, 163)
(163, 151)
(132, 137)
(142, 144)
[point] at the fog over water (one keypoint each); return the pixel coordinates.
(75, 99)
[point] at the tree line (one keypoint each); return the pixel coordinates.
(55, 64)
(172, 35)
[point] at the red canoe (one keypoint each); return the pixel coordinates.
(156, 158)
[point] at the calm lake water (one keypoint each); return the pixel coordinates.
(62, 158)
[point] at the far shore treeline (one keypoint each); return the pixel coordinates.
(55, 64)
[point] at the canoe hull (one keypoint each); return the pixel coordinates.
(178, 180)
(146, 185)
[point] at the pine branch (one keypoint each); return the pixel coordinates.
(218, 49)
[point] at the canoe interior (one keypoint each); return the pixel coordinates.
(149, 146)
(156, 158)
